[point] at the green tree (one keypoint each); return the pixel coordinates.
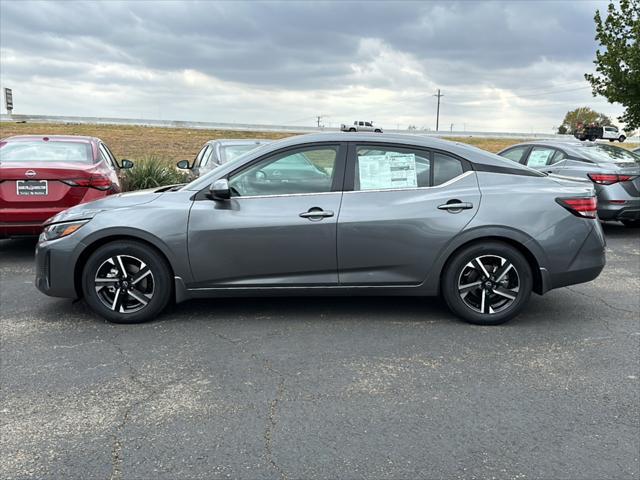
(584, 115)
(617, 74)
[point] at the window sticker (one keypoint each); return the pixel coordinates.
(539, 158)
(392, 170)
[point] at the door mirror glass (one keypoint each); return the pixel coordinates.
(219, 190)
(184, 164)
(124, 163)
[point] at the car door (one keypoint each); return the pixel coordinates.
(546, 159)
(402, 207)
(278, 229)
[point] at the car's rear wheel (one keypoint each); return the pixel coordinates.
(126, 282)
(487, 283)
(377, 130)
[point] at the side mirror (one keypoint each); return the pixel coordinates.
(219, 190)
(184, 165)
(124, 163)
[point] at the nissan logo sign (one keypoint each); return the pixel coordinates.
(30, 173)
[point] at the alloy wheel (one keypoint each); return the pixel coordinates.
(488, 284)
(124, 284)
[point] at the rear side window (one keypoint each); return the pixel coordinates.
(49, 151)
(515, 153)
(540, 156)
(445, 168)
(382, 168)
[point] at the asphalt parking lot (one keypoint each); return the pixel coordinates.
(323, 388)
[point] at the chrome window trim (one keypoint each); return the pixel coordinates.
(445, 184)
(286, 195)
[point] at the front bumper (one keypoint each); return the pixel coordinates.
(55, 268)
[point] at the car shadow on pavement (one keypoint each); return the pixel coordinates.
(18, 249)
(618, 230)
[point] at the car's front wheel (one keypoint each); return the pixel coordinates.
(126, 282)
(622, 138)
(487, 283)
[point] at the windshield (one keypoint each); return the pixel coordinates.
(41, 151)
(608, 154)
(231, 152)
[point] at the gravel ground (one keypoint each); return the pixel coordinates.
(322, 387)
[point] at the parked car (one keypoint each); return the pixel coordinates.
(365, 220)
(593, 132)
(613, 171)
(360, 126)
(42, 175)
(636, 150)
(216, 152)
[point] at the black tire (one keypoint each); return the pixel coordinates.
(377, 130)
(155, 287)
(612, 139)
(622, 138)
(352, 129)
(458, 267)
(631, 223)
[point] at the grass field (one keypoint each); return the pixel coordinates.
(173, 144)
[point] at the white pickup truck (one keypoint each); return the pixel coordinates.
(359, 126)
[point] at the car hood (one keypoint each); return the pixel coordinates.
(122, 200)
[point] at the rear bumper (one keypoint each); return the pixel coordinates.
(585, 266)
(18, 222)
(609, 210)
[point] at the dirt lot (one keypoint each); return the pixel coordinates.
(135, 142)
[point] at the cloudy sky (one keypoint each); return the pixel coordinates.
(502, 65)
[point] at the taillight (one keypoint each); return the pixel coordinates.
(609, 178)
(99, 182)
(586, 207)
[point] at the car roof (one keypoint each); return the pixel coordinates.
(55, 138)
(239, 141)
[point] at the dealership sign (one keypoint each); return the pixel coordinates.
(8, 99)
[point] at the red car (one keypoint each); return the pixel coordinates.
(41, 176)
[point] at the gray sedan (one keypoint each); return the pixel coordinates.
(613, 171)
(332, 214)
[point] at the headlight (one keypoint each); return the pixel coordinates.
(59, 230)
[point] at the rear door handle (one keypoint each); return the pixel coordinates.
(316, 214)
(455, 206)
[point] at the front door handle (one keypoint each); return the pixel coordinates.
(316, 214)
(453, 206)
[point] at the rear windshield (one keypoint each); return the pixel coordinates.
(609, 154)
(41, 151)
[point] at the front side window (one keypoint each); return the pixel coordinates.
(104, 155)
(208, 154)
(308, 170)
(200, 155)
(540, 156)
(515, 153)
(368, 124)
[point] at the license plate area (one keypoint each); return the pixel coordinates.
(32, 188)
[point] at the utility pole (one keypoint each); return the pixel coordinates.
(319, 117)
(438, 111)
